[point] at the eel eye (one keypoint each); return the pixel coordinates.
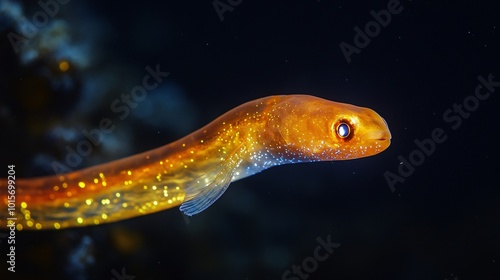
(343, 130)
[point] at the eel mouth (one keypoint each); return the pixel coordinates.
(382, 135)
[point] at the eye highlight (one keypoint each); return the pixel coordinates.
(343, 130)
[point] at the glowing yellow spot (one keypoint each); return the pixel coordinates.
(23, 204)
(66, 204)
(126, 183)
(177, 188)
(38, 226)
(170, 201)
(19, 227)
(154, 188)
(81, 184)
(155, 202)
(65, 185)
(103, 184)
(105, 201)
(79, 220)
(101, 175)
(104, 216)
(57, 226)
(96, 180)
(56, 188)
(145, 187)
(96, 221)
(129, 172)
(124, 205)
(161, 162)
(64, 66)
(88, 201)
(29, 223)
(117, 194)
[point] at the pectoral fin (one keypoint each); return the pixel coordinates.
(204, 191)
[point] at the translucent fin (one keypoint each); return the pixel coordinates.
(204, 191)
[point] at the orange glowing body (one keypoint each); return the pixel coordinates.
(196, 170)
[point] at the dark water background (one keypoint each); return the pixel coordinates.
(442, 222)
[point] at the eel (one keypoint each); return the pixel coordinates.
(194, 171)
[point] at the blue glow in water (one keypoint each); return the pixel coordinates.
(80, 258)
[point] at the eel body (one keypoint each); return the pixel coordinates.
(194, 171)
